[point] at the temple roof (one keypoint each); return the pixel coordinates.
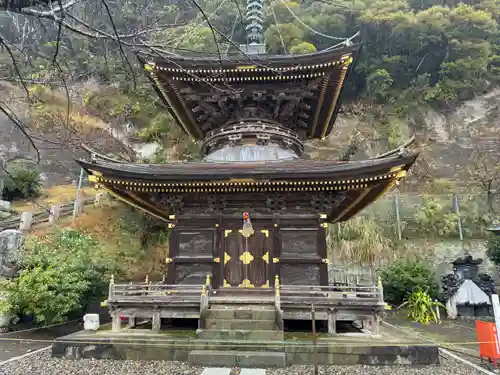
(342, 188)
(301, 93)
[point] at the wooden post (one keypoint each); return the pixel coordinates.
(496, 310)
(456, 208)
(332, 322)
(398, 215)
(313, 318)
(97, 199)
(3, 166)
(375, 324)
(26, 220)
(55, 211)
(116, 322)
(111, 287)
(381, 289)
(277, 297)
(156, 324)
(77, 204)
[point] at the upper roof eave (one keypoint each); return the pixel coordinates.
(231, 62)
(279, 170)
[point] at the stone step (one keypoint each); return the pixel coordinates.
(245, 324)
(239, 334)
(264, 313)
(236, 358)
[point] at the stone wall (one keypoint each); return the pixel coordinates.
(438, 253)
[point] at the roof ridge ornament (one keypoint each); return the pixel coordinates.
(255, 28)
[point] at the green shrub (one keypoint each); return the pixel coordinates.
(21, 182)
(421, 307)
(493, 248)
(433, 219)
(403, 277)
(60, 277)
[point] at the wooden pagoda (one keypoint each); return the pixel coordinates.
(252, 120)
(254, 212)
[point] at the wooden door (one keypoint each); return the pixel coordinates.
(246, 259)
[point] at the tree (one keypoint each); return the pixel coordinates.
(21, 181)
(484, 170)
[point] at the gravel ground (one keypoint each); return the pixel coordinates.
(42, 364)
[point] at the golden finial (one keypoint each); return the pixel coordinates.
(207, 281)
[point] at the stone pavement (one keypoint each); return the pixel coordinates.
(227, 371)
(15, 344)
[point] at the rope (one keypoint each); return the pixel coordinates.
(309, 27)
(279, 31)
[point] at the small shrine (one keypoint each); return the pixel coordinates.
(467, 292)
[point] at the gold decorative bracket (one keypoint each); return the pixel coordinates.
(325, 261)
(225, 284)
(227, 231)
(227, 258)
(276, 260)
(266, 285)
(322, 216)
(266, 232)
(246, 257)
(171, 225)
(246, 284)
(324, 225)
(171, 217)
(265, 257)
(168, 260)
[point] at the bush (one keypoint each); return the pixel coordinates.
(493, 248)
(59, 277)
(421, 307)
(433, 219)
(21, 182)
(403, 277)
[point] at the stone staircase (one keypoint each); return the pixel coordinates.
(244, 335)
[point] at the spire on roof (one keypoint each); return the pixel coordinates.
(255, 29)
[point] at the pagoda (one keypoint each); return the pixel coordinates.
(253, 214)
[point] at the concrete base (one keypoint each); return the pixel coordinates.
(389, 348)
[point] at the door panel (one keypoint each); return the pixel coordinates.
(233, 266)
(246, 259)
(258, 273)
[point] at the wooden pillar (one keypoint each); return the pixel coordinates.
(218, 254)
(173, 251)
(375, 324)
(156, 322)
(323, 253)
(116, 322)
(332, 322)
(275, 254)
